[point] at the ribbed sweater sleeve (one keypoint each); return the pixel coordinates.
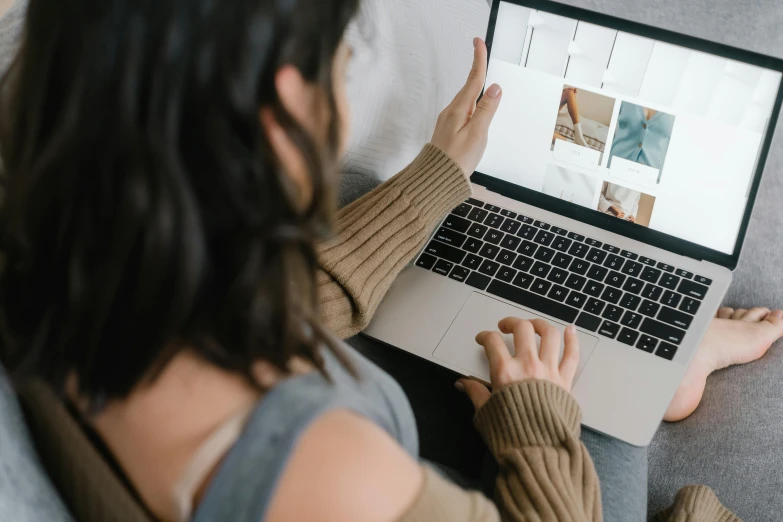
(379, 234)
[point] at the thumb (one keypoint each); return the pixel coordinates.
(486, 109)
(476, 392)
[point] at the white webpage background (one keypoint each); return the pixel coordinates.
(721, 109)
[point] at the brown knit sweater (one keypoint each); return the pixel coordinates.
(532, 428)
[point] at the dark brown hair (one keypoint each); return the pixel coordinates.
(144, 211)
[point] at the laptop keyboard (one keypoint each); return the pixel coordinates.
(616, 293)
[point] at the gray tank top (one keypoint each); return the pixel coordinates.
(247, 478)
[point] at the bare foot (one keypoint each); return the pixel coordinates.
(734, 337)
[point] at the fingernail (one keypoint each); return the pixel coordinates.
(459, 386)
(475, 42)
(571, 329)
(494, 91)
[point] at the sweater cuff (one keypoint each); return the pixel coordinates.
(528, 413)
(698, 503)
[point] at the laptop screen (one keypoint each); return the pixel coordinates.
(641, 130)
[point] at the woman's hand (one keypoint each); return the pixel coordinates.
(617, 212)
(529, 362)
(463, 127)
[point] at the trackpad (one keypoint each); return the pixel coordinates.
(459, 349)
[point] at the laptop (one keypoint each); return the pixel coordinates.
(614, 194)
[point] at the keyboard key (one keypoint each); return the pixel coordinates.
(675, 318)
(542, 225)
(652, 292)
(562, 260)
(684, 274)
(597, 272)
(493, 236)
(462, 211)
(443, 267)
(460, 273)
(610, 248)
(628, 336)
(491, 207)
(523, 280)
(671, 298)
(594, 289)
(561, 243)
(689, 305)
(444, 251)
(523, 263)
(478, 215)
(588, 321)
(472, 261)
(579, 266)
(507, 257)
(647, 343)
(615, 279)
(456, 223)
(662, 331)
(609, 329)
(559, 231)
(489, 267)
(630, 301)
(544, 238)
(629, 255)
(477, 230)
(594, 306)
(614, 262)
(527, 232)
(508, 213)
(703, 280)
(665, 267)
(473, 245)
(525, 219)
(647, 261)
(632, 268)
(650, 274)
(596, 256)
(558, 275)
(540, 286)
(578, 250)
(692, 289)
(494, 220)
(575, 282)
(558, 293)
(477, 280)
(450, 237)
(426, 261)
(666, 351)
(633, 285)
(631, 320)
(527, 248)
(511, 242)
(612, 295)
(649, 308)
(612, 313)
(544, 254)
(510, 226)
(534, 302)
(489, 251)
(540, 269)
(669, 281)
(593, 242)
(474, 201)
(576, 299)
(506, 274)
(575, 236)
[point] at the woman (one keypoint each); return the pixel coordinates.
(169, 172)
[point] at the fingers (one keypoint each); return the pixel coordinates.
(465, 102)
(570, 360)
(549, 351)
(524, 337)
(757, 314)
(486, 109)
(495, 348)
(476, 392)
(725, 313)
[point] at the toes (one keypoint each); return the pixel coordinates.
(775, 317)
(725, 313)
(755, 315)
(739, 313)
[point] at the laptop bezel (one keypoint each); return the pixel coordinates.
(620, 227)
